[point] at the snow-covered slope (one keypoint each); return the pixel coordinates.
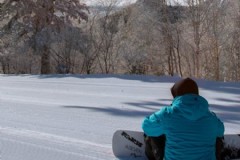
(73, 117)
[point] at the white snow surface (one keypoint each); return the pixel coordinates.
(73, 117)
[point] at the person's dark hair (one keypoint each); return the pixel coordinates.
(184, 86)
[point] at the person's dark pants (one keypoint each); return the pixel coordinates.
(219, 148)
(155, 147)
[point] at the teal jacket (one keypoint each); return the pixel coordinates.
(190, 128)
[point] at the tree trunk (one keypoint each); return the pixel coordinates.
(45, 61)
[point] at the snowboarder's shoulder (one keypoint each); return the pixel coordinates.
(165, 111)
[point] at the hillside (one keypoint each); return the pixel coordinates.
(139, 37)
(72, 117)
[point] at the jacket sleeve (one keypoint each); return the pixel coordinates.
(219, 126)
(153, 125)
(220, 130)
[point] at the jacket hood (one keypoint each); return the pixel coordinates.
(191, 106)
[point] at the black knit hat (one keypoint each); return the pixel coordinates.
(184, 86)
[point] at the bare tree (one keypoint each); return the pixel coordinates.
(198, 11)
(167, 24)
(89, 53)
(106, 33)
(231, 46)
(67, 49)
(216, 36)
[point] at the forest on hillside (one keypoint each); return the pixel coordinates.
(199, 39)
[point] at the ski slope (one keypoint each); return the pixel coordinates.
(73, 117)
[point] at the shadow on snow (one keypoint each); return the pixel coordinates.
(113, 111)
(131, 110)
(227, 113)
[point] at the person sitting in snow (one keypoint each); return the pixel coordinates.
(186, 130)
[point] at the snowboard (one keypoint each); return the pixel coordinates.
(127, 144)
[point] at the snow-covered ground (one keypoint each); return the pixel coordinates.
(73, 117)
